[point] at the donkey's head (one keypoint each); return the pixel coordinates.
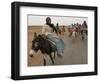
(36, 44)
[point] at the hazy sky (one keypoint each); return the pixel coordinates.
(62, 20)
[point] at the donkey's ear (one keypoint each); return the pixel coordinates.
(39, 35)
(35, 34)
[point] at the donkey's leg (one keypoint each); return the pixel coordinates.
(51, 59)
(44, 60)
(54, 55)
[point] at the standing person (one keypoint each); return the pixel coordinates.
(48, 30)
(57, 26)
(85, 26)
(63, 30)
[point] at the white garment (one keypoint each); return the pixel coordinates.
(46, 29)
(73, 34)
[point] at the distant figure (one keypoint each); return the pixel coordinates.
(85, 27)
(85, 24)
(63, 30)
(35, 34)
(57, 26)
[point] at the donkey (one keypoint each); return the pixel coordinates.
(40, 42)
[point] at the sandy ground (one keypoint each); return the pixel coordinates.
(75, 51)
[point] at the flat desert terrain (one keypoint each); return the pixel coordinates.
(76, 50)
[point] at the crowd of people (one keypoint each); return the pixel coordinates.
(77, 28)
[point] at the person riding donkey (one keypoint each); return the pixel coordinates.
(48, 30)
